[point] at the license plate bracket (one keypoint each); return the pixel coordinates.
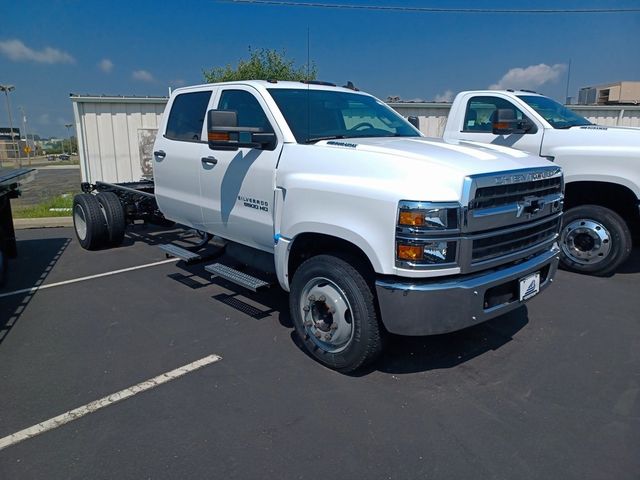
(529, 286)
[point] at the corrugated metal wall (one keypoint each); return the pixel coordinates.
(116, 134)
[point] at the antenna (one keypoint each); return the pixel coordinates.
(308, 55)
(308, 84)
(566, 93)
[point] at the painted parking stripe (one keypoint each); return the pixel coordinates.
(82, 279)
(96, 405)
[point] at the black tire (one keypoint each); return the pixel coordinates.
(341, 330)
(594, 240)
(89, 222)
(114, 215)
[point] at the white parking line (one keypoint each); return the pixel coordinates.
(82, 279)
(80, 412)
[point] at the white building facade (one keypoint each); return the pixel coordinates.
(116, 134)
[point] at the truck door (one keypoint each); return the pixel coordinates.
(177, 151)
(237, 187)
(477, 125)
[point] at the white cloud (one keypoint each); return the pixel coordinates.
(142, 75)
(530, 77)
(447, 96)
(105, 65)
(177, 83)
(17, 51)
(44, 119)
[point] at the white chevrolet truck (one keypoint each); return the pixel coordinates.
(601, 168)
(333, 196)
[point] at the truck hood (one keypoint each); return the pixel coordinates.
(594, 136)
(596, 154)
(465, 158)
(395, 168)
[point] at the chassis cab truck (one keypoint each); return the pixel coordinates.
(330, 194)
(601, 168)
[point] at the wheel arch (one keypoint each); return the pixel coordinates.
(309, 244)
(619, 198)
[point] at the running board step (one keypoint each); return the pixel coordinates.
(237, 277)
(179, 252)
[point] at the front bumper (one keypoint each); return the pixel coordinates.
(430, 307)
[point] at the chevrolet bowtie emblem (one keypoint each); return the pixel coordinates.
(530, 205)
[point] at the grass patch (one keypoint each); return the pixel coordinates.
(44, 209)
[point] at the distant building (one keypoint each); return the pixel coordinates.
(619, 93)
(8, 142)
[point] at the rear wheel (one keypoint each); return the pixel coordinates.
(89, 222)
(114, 216)
(334, 313)
(594, 240)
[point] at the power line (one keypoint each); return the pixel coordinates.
(389, 8)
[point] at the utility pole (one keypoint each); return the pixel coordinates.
(69, 125)
(26, 134)
(6, 89)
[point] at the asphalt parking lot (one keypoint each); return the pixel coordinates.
(551, 390)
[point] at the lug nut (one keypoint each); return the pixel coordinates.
(306, 308)
(308, 324)
(318, 334)
(327, 337)
(322, 298)
(334, 326)
(312, 298)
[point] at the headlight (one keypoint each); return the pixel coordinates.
(429, 252)
(424, 234)
(428, 216)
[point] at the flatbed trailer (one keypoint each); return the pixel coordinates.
(10, 181)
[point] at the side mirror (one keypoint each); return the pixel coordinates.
(223, 133)
(415, 121)
(506, 123)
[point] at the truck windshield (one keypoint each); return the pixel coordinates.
(315, 115)
(557, 115)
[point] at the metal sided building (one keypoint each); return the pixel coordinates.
(116, 135)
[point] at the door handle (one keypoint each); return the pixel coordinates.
(209, 161)
(160, 154)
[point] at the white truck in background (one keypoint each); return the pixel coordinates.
(333, 196)
(601, 168)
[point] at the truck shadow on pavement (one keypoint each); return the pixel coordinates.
(36, 258)
(434, 352)
(632, 265)
(401, 355)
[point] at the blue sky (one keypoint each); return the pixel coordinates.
(49, 49)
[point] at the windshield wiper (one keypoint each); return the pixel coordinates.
(328, 137)
(566, 127)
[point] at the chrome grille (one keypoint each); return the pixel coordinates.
(497, 195)
(503, 243)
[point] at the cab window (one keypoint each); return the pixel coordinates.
(187, 116)
(250, 113)
(481, 111)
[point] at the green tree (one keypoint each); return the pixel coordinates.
(263, 64)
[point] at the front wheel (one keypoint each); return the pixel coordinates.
(594, 240)
(334, 313)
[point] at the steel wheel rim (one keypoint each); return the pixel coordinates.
(80, 222)
(327, 316)
(586, 241)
